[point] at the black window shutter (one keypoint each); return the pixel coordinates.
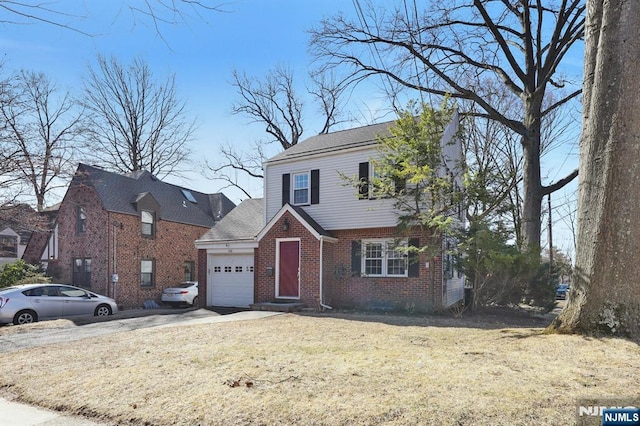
(363, 176)
(414, 258)
(400, 184)
(286, 187)
(315, 186)
(356, 255)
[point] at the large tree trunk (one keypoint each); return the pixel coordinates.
(531, 180)
(532, 199)
(605, 295)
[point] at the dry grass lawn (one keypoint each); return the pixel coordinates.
(333, 370)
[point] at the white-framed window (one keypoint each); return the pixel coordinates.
(189, 270)
(384, 258)
(81, 219)
(301, 188)
(148, 223)
(147, 272)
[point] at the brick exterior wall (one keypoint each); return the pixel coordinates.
(343, 290)
(265, 284)
(114, 243)
(202, 278)
(92, 244)
(340, 288)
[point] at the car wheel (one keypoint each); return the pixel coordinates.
(25, 317)
(194, 302)
(102, 311)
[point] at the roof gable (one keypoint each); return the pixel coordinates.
(242, 223)
(301, 216)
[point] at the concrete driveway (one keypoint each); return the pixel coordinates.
(13, 338)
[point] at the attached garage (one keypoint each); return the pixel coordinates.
(229, 248)
(230, 280)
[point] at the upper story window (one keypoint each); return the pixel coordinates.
(373, 184)
(301, 188)
(8, 246)
(384, 258)
(81, 219)
(148, 223)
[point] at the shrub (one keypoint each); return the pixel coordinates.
(20, 272)
(498, 271)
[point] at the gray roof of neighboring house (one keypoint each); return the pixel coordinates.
(118, 193)
(242, 223)
(343, 139)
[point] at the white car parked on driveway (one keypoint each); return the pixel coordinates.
(184, 294)
(23, 304)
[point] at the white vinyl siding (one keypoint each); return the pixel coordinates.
(339, 206)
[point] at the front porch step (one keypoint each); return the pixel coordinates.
(277, 306)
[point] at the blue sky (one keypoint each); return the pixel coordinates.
(251, 36)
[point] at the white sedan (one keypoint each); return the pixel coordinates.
(184, 294)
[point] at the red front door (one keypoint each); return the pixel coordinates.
(288, 269)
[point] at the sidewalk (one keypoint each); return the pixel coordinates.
(16, 414)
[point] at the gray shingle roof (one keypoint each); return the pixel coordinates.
(343, 139)
(242, 223)
(118, 193)
(315, 225)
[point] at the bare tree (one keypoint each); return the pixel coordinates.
(159, 12)
(452, 47)
(495, 158)
(40, 125)
(10, 186)
(275, 104)
(606, 280)
(133, 122)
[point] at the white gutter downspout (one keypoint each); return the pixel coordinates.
(321, 263)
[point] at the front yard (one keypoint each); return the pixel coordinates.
(334, 369)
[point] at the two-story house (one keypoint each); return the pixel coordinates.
(129, 236)
(327, 243)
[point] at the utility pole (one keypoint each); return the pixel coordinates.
(550, 237)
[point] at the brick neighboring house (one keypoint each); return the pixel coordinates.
(129, 236)
(326, 243)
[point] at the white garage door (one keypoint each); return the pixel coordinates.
(230, 281)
